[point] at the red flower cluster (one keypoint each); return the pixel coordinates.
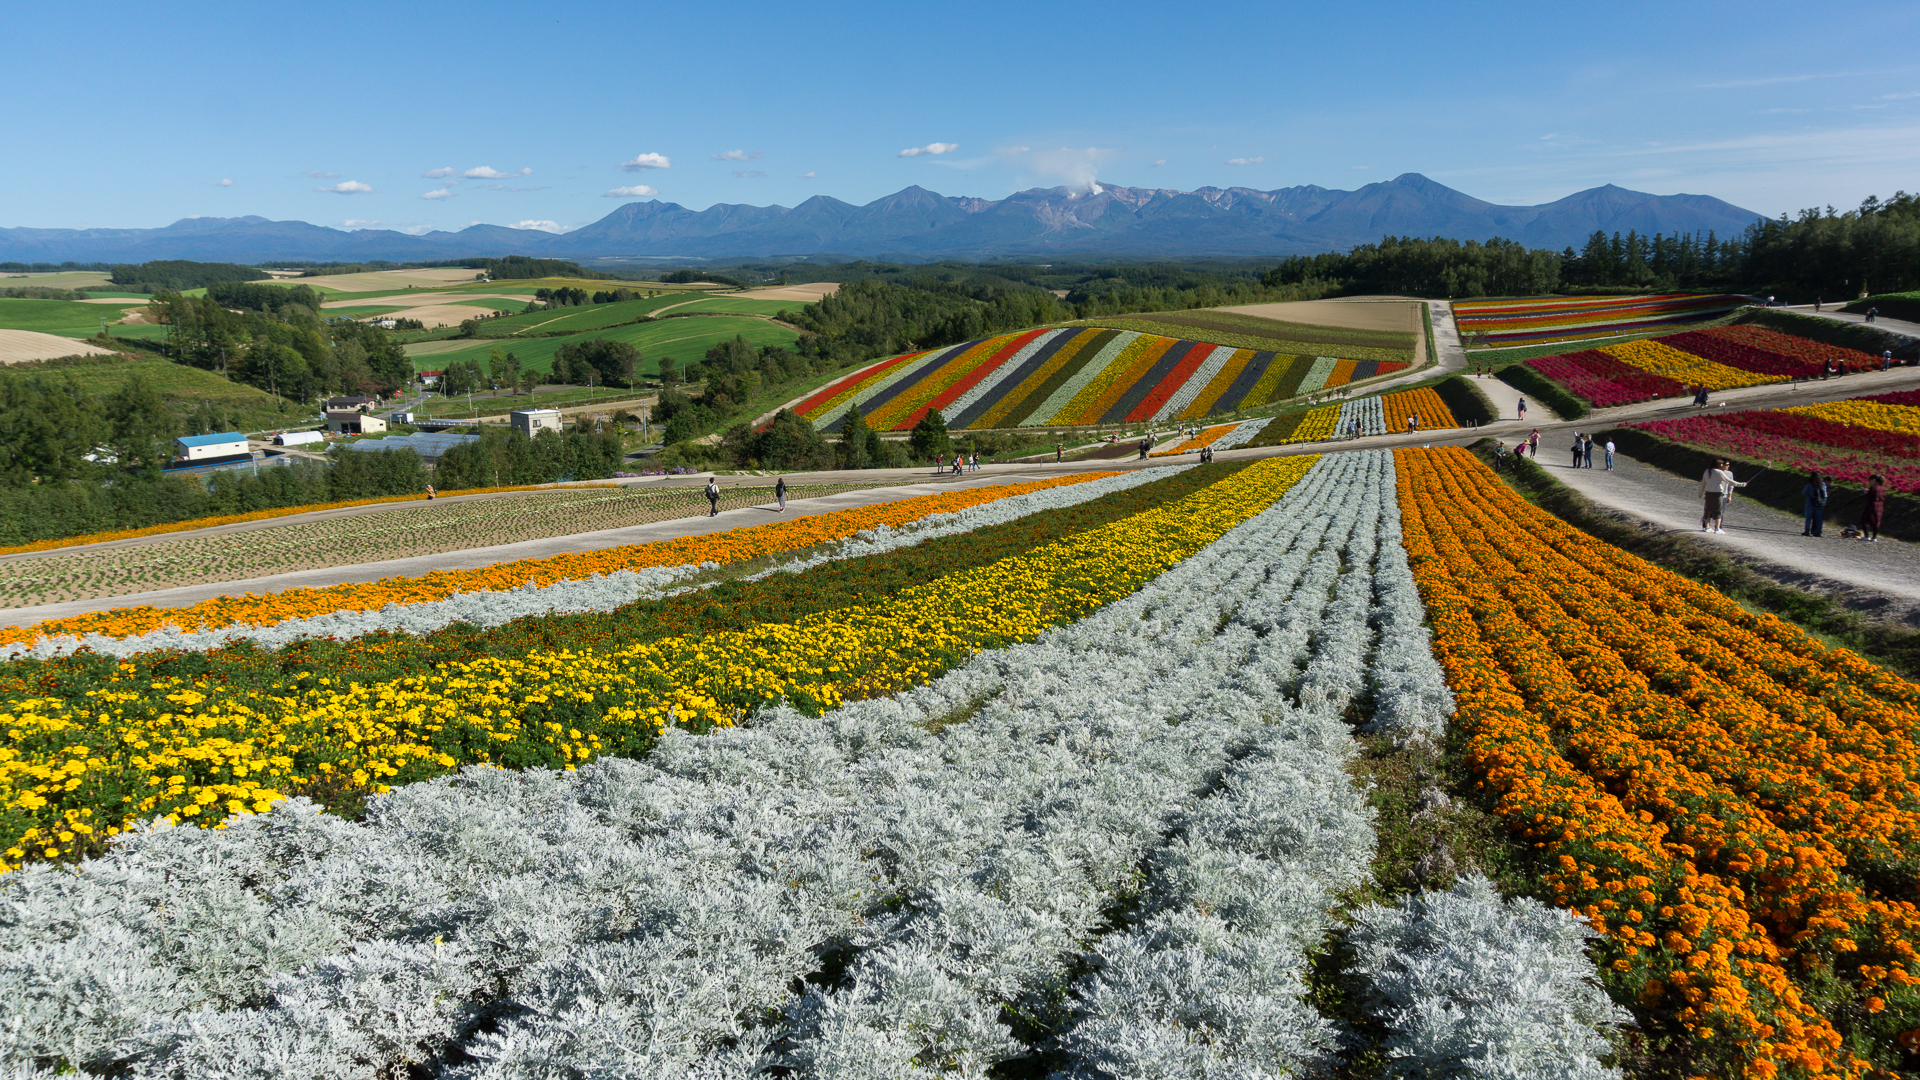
(1842, 462)
(1720, 349)
(1604, 380)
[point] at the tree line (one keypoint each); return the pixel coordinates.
(178, 275)
(290, 352)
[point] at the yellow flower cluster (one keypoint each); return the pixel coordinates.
(1867, 414)
(198, 750)
(1316, 425)
(1651, 355)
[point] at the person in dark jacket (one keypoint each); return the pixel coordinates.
(1815, 496)
(780, 492)
(713, 498)
(1874, 508)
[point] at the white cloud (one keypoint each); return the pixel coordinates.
(1010, 151)
(1159, 163)
(486, 172)
(748, 174)
(739, 155)
(1900, 97)
(643, 162)
(322, 174)
(442, 171)
(1245, 160)
(637, 191)
(808, 175)
(541, 226)
(1076, 167)
(439, 193)
(929, 149)
(347, 187)
(1776, 80)
(226, 183)
(356, 223)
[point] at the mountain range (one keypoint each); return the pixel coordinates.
(919, 224)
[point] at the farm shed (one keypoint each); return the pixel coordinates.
(299, 438)
(531, 422)
(348, 422)
(226, 444)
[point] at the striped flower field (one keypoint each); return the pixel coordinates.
(1545, 320)
(1075, 377)
(1719, 358)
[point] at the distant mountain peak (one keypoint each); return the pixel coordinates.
(917, 222)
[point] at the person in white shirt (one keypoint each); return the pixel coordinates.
(1609, 455)
(1716, 487)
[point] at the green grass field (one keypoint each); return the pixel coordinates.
(745, 305)
(578, 319)
(183, 388)
(67, 318)
(683, 340)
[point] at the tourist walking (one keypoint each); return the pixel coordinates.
(1523, 410)
(780, 492)
(1058, 450)
(1814, 496)
(713, 497)
(1874, 507)
(1716, 487)
(1886, 360)
(1609, 455)
(1873, 313)
(1533, 444)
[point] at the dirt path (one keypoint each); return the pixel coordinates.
(1671, 504)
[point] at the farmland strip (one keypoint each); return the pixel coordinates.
(975, 414)
(1142, 386)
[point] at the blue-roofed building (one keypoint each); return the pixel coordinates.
(227, 444)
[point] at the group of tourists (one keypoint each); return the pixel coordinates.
(1717, 486)
(961, 463)
(1583, 451)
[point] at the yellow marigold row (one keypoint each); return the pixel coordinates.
(1651, 355)
(262, 515)
(201, 750)
(1316, 425)
(1867, 414)
(251, 609)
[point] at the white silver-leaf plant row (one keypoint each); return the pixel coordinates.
(1149, 808)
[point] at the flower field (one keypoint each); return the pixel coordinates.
(1047, 779)
(1383, 415)
(1720, 794)
(1220, 437)
(1075, 377)
(1552, 319)
(1718, 358)
(418, 528)
(1847, 440)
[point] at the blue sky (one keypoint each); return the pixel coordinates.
(424, 116)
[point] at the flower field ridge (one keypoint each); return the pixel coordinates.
(1712, 788)
(198, 749)
(1076, 376)
(733, 546)
(1848, 441)
(962, 845)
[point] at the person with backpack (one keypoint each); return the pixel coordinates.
(780, 492)
(1576, 449)
(1814, 495)
(713, 497)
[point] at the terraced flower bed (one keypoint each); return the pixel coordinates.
(414, 529)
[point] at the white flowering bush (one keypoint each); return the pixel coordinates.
(1366, 412)
(1242, 434)
(598, 592)
(1473, 986)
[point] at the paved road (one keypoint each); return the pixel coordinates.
(1892, 326)
(1759, 533)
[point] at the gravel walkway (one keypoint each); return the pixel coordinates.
(1758, 533)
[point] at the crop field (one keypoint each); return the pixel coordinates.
(1546, 320)
(1718, 358)
(1075, 376)
(17, 346)
(995, 776)
(683, 340)
(66, 279)
(1846, 440)
(586, 317)
(744, 305)
(67, 318)
(1223, 327)
(1046, 778)
(414, 529)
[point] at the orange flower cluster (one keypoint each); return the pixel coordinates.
(260, 515)
(1734, 805)
(1423, 403)
(735, 545)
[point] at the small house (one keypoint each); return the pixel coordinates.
(350, 404)
(531, 422)
(198, 448)
(350, 422)
(299, 438)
